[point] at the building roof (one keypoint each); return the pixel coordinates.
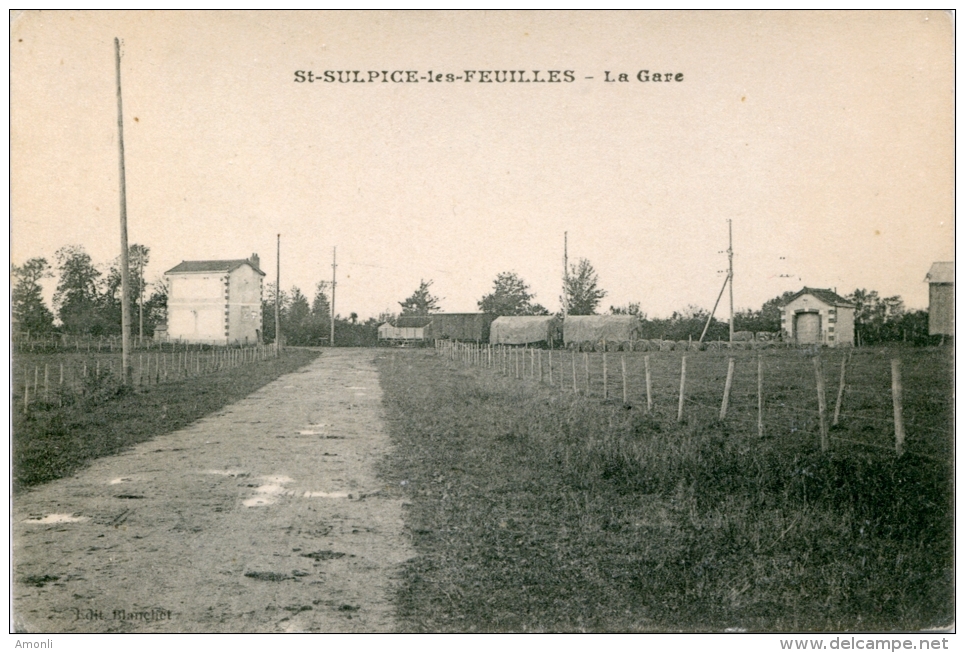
(412, 321)
(941, 272)
(212, 266)
(826, 295)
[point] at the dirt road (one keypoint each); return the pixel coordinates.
(264, 517)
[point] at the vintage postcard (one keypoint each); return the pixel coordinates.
(496, 321)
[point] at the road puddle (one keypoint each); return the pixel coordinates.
(268, 493)
(327, 495)
(225, 472)
(55, 518)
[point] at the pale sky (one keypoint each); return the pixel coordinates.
(826, 137)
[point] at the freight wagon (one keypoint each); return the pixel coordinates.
(402, 333)
(467, 327)
(525, 330)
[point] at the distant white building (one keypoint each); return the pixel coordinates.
(215, 302)
(941, 298)
(818, 316)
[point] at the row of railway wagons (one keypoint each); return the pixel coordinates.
(536, 330)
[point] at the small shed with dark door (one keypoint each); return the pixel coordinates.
(818, 316)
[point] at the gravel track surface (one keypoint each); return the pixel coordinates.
(267, 516)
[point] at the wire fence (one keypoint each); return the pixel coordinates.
(895, 399)
(45, 379)
(25, 344)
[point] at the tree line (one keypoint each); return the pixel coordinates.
(878, 320)
(87, 301)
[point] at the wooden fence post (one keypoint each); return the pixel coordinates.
(623, 368)
(562, 369)
(727, 385)
(822, 409)
(646, 367)
(605, 389)
(586, 372)
(550, 357)
(760, 397)
(896, 401)
(837, 404)
(573, 361)
(683, 385)
(539, 355)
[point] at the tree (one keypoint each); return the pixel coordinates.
(317, 326)
(421, 302)
(268, 312)
(510, 296)
(384, 317)
(581, 292)
(321, 307)
(77, 299)
(297, 322)
(26, 297)
(877, 319)
(768, 318)
(138, 257)
(633, 308)
(913, 326)
(156, 306)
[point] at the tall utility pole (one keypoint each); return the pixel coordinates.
(730, 274)
(332, 311)
(728, 283)
(278, 294)
(125, 272)
(140, 298)
(566, 273)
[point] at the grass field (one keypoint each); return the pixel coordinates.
(62, 374)
(789, 389)
(51, 440)
(534, 509)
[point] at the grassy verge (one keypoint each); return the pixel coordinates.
(532, 512)
(51, 442)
